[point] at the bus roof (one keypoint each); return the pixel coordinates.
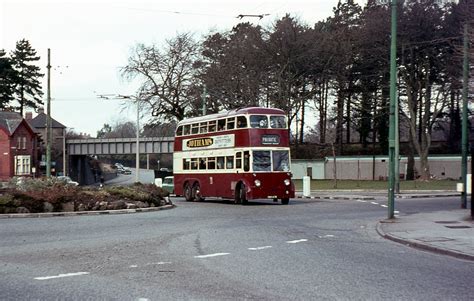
(234, 112)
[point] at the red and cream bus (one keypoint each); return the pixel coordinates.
(242, 154)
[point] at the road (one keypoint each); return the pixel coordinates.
(214, 250)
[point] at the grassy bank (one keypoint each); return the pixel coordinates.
(377, 185)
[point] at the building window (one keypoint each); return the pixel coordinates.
(22, 165)
(23, 142)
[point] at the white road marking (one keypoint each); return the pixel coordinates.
(385, 206)
(296, 241)
(260, 248)
(211, 255)
(328, 235)
(160, 263)
(396, 211)
(134, 266)
(143, 299)
(361, 201)
(375, 203)
(62, 276)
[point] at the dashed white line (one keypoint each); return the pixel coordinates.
(160, 263)
(375, 203)
(259, 248)
(211, 255)
(326, 236)
(385, 206)
(296, 241)
(361, 201)
(62, 276)
(134, 266)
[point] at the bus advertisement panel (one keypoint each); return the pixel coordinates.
(241, 154)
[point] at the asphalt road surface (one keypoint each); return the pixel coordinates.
(214, 250)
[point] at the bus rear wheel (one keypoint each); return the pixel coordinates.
(285, 201)
(188, 193)
(197, 193)
(240, 196)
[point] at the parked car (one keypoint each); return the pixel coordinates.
(168, 184)
(67, 180)
(124, 170)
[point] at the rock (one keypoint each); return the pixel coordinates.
(141, 204)
(22, 210)
(67, 207)
(117, 205)
(81, 207)
(48, 207)
(131, 206)
(103, 205)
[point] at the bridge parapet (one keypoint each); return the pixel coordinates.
(119, 146)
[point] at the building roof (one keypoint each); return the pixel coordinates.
(39, 122)
(11, 120)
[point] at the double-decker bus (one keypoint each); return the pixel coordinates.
(242, 154)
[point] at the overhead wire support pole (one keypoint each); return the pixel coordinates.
(392, 124)
(464, 137)
(48, 119)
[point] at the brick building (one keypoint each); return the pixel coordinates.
(19, 147)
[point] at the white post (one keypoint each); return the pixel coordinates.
(137, 159)
(306, 186)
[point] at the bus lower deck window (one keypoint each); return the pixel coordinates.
(238, 160)
(202, 163)
(229, 162)
(194, 163)
(186, 164)
(262, 161)
(211, 163)
(220, 162)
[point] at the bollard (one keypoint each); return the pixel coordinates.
(306, 186)
(159, 182)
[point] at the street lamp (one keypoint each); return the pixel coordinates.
(137, 151)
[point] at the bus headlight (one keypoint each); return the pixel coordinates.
(287, 182)
(257, 183)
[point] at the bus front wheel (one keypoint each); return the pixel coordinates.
(240, 195)
(188, 193)
(285, 201)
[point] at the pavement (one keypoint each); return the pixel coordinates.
(443, 232)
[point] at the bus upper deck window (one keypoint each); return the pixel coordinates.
(241, 122)
(203, 128)
(187, 129)
(212, 126)
(221, 125)
(230, 123)
(258, 121)
(179, 131)
(277, 122)
(195, 128)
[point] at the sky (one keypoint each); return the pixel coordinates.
(91, 40)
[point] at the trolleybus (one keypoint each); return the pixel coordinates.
(242, 154)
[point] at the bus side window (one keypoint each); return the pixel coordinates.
(186, 165)
(230, 123)
(211, 163)
(202, 163)
(220, 162)
(212, 126)
(179, 131)
(241, 122)
(195, 128)
(203, 128)
(194, 163)
(221, 125)
(187, 129)
(238, 160)
(229, 162)
(246, 161)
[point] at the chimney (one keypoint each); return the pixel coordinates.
(29, 116)
(40, 110)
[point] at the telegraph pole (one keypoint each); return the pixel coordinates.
(48, 119)
(464, 138)
(204, 96)
(392, 120)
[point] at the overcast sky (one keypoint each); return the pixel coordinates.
(91, 40)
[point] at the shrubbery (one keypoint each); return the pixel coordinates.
(25, 195)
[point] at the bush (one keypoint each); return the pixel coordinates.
(33, 194)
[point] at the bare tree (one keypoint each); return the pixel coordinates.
(166, 75)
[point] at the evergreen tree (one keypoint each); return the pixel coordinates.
(7, 78)
(28, 91)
